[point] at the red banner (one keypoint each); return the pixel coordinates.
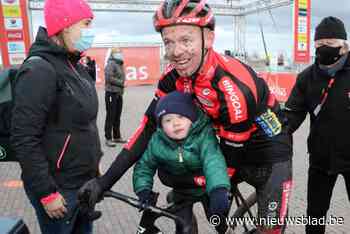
(302, 13)
(280, 84)
(141, 64)
(14, 31)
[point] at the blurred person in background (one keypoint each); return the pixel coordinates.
(114, 85)
(90, 65)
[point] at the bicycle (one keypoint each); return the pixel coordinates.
(240, 211)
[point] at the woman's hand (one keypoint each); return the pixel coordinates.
(56, 207)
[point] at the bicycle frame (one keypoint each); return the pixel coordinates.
(157, 210)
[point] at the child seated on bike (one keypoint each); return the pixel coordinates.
(184, 143)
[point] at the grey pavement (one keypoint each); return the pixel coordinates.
(119, 218)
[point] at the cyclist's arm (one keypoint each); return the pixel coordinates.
(296, 108)
(137, 144)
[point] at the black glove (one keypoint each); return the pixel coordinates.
(89, 212)
(219, 201)
(90, 193)
(146, 198)
(94, 215)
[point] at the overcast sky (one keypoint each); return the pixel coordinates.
(137, 27)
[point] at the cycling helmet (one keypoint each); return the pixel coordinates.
(191, 12)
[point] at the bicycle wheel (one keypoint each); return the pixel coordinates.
(242, 219)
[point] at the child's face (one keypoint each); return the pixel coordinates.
(176, 126)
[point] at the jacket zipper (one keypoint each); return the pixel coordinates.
(63, 151)
(180, 155)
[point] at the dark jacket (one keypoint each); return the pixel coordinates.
(54, 132)
(114, 76)
(328, 141)
(198, 153)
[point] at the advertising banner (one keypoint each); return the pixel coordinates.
(302, 13)
(280, 84)
(14, 31)
(141, 64)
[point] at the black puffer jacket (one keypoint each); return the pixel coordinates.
(328, 141)
(54, 132)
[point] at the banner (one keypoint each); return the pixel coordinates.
(280, 84)
(141, 64)
(302, 13)
(14, 31)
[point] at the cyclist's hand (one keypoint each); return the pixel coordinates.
(55, 207)
(145, 197)
(219, 201)
(90, 193)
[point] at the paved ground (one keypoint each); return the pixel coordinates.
(119, 218)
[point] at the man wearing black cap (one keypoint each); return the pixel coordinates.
(323, 91)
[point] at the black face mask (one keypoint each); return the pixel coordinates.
(327, 55)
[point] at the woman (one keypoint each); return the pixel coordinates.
(54, 132)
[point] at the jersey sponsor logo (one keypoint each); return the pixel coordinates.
(199, 180)
(233, 144)
(206, 92)
(287, 188)
(205, 101)
(269, 122)
(188, 20)
(273, 206)
(235, 100)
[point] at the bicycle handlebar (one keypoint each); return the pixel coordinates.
(137, 204)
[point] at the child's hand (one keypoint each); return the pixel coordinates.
(145, 197)
(219, 201)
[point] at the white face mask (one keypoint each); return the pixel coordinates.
(117, 56)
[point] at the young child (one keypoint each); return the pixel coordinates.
(184, 143)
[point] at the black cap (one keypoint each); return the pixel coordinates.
(330, 27)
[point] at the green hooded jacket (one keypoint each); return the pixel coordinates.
(199, 152)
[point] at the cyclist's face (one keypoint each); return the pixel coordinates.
(183, 47)
(176, 126)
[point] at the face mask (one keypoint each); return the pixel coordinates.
(117, 56)
(85, 41)
(331, 71)
(327, 55)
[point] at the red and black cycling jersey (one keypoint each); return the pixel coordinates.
(229, 91)
(232, 94)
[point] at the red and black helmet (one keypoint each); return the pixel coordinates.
(191, 12)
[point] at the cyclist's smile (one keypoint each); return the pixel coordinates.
(183, 46)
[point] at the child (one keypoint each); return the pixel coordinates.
(184, 143)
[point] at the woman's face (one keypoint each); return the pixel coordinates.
(73, 33)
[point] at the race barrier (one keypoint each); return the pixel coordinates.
(141, 64)
(280, 84)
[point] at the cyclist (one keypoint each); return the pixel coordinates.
(246, 115)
